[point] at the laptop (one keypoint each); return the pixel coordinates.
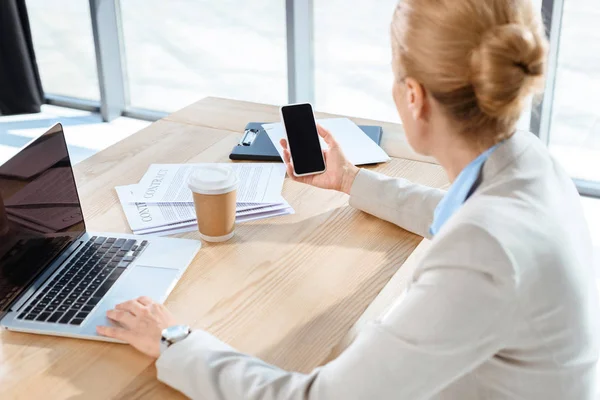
(56, 277)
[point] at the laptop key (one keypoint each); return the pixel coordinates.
(67, 317)
(120, 242)
(63, 308)
(87, 308)
(110, 240)
(100, 240)
(76, 321)
(95, 300)
(55, 317)
(30, 317)
(82, 314)
(43, 316)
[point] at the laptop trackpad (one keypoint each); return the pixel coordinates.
(145, 281)
(153, 282)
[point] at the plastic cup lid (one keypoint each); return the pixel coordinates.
(212, 179)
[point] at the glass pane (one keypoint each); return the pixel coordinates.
(64, 47)
(353, 59)
(353, 73)
(575, 124)
(179, 51)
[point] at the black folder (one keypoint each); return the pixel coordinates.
(256, 145)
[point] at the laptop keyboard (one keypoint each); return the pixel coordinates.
(74, 292)
(22, 261)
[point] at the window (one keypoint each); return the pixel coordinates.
(179, 51)
(575, 119)
(353, 73)
(64, 47)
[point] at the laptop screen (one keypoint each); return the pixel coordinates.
(40, 212)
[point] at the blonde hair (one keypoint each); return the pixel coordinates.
(480, 59)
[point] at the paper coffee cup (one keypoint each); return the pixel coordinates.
(214, 190)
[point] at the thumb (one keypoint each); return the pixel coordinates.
(327, 136)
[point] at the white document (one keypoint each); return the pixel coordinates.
(167, 183)
(190, 227)
(357, 146)
(169, 218)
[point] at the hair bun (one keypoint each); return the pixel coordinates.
(506, 68)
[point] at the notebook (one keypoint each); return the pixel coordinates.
(256, 145)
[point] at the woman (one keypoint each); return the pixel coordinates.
(503, 305)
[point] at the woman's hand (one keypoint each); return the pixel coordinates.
(142, 322)
(340, 172)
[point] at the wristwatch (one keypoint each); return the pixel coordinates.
(173, 334)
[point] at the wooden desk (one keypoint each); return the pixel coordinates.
(286, 289)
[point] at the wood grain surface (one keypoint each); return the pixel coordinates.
(287, 289)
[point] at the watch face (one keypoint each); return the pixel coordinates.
(176, 332)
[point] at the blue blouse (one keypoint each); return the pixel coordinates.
(459, 191)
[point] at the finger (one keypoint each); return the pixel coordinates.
(327, 136)
(132, 306)
(287, 157)
(288, 164)
(283, 144)
(115, 332)
(145, 300)
(123, 317)
(290, 172)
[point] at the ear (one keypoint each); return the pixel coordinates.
(415, 99)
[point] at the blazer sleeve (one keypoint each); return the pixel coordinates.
(399, 201)
(455, 316)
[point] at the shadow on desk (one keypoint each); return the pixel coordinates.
(66, 359)
(343, 226)
(299, 350)
(311, 343)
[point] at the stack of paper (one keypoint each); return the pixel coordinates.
(357, 146)
(162, 204)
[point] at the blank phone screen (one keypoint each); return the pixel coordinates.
(303, 138)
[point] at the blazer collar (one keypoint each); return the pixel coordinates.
(506, 153)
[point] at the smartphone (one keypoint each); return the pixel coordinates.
(303, 139)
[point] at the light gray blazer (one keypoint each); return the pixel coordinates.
(502, 306)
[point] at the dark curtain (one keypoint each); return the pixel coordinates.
(20, 85)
